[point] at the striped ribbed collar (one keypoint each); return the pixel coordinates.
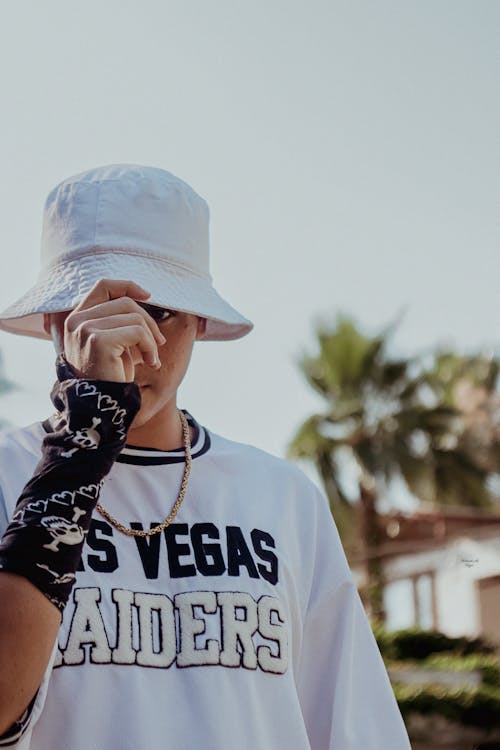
(150, 456)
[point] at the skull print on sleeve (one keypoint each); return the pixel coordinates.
(44, 539)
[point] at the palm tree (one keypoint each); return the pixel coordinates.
(470, 384)
(389, 418)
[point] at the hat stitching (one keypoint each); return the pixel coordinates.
(125, 251)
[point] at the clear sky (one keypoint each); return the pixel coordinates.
(345, 149)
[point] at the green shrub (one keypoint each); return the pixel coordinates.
(414, 643)
(488, 664)
(480, 707)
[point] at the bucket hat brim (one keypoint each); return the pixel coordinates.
(62, 286)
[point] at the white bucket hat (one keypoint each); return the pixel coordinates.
(125, 221)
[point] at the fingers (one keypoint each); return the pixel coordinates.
(110, 353)
(108, 333)
(114, 342)
(123, 326)
(108, 289)
(116, 308)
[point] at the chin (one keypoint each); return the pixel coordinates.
(151, 406)
(140, 420)
(143, 416)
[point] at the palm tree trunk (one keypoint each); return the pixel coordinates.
(371, 535)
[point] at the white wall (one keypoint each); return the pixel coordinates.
(457, 566)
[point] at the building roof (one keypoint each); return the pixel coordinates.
(407, 533)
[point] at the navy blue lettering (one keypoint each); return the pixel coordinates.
(238, 554)
(149, 550)
(107, 560)
(270, 570)
(176, 550)
(208, 557)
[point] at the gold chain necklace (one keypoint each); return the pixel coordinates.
(178, 502)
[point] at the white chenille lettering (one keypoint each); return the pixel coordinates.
(191, 626)
(87, 627)
(58, 659)
(237, 645)
(198, 628)
(147, 604)
(272, 631)
(124, 652)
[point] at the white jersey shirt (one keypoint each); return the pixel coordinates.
(239, 626)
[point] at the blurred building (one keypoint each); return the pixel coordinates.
(442, 571)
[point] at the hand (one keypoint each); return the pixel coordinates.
(108, 333)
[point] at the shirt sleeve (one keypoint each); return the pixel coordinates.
(69, 471)
(18, 736)
(346, 696)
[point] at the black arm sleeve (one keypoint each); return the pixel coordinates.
(45, 537)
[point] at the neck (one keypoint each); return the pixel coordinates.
(163, 431)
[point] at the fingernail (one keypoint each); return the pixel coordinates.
(163, 339)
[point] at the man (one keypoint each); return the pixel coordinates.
(204, 595)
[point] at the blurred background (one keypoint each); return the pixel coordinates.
(346, 150)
